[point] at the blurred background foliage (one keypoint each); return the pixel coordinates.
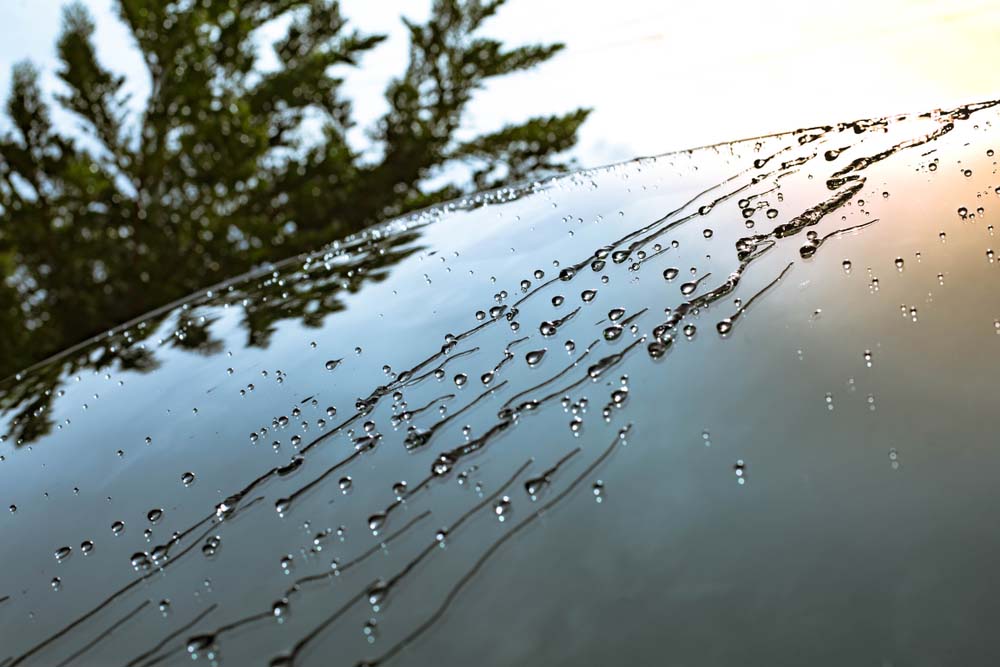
(230, 166)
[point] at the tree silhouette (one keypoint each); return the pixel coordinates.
(216, 175)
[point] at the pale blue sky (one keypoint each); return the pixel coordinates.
(661, 75)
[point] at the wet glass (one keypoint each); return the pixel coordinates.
(723, 406)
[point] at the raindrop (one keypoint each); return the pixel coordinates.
(154, 515)
(502, 508)
(117, 527)
(376, 521)
(534, 357)
(140, 561)
(345, 484)
(62, 553)
(461, 379)
(187, 479)
(670, 273)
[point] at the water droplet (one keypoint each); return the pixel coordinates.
(894, 458)
(332, 364)
(280, 608)
(86, 547)
(670, 273)
(899, 263)
(345, 483)
(140, 561)
(502, 508)
(376, 521)
(598, 490)
(117, 527)
(211, 545)
(534, 356)
(62, 553)
(56, 583)
(200, 643)
(613, 332)
(557, 300)
(187, 479)
(588, 295)
(461, 379)
(154, 515)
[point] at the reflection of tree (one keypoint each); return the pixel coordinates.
(306, 295)
(229, 166)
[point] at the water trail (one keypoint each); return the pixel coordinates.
(117, 594)
(477, 566)
(571, 366)
(134, 662)
(417, 438)
(407, 415)
(104, 635)
(726, 325)
(379, 589)
(813, 244)
(283, 505)
(535, 485)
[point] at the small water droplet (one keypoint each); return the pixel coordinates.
(534, 356)
(502, 508)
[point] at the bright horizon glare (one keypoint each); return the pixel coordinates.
(659, 77)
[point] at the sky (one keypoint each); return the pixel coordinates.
(660, 75)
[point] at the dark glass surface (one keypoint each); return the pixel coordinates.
(803, 476)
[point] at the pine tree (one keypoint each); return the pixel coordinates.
(214, 176)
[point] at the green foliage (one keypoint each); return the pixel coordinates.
(215, 176)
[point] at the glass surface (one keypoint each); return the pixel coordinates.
(735, 405)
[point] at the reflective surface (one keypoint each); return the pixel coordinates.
(729, 406)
